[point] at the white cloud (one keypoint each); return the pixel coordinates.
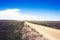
(15, 14)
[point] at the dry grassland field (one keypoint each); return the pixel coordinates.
(16, 30)
(10, 30)
(52, 24)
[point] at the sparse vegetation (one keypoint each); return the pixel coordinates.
(53, 24)
(10, 30)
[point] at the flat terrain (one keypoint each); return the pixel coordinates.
(10, 29)
(50, 33)
(29, 33)
(17, 30)
(52, 24)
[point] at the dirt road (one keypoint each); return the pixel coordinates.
(50, 33)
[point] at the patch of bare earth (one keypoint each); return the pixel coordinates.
(31, 34)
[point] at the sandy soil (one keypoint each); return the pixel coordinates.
(31, 34)
(50, 33)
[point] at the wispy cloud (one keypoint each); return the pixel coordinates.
(15, 14)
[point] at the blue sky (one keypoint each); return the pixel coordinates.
(43, 9)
